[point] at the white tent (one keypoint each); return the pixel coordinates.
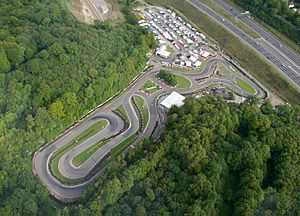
(174, 99)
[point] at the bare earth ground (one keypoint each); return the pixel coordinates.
(81, 10)
(114, 11)
(275, 100)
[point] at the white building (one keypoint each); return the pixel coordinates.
(203, 36)
(197, 64)
(174, 99)
(193, 58)
(144, 24)
(206, 54)
(163, 53)
(189, 41)
(188, 63)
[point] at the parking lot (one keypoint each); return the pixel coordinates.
(180, 44)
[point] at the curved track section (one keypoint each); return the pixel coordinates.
(118, 130)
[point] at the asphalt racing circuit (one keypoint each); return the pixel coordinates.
(120, 129)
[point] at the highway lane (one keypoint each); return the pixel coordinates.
(289, 72)
(69, 193)
(282, 48)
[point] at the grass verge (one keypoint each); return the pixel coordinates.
(182, 82)
(123, 113)
(116, 151)
(245, 86)
(91, 131)
(141, 105)
(243, 53)
(83, 156)
(149, 87)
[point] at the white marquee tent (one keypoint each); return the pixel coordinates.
(174, 99)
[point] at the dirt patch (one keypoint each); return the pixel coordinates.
(80, 11)
(87, 11)
(275, 100)
(114, 12)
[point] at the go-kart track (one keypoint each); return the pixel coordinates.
(118, 130)
(68, 164)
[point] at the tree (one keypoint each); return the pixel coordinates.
(4, 62)
(196, 169)
(52, 70)
(15, 54)
(56, 110)
(167, 77)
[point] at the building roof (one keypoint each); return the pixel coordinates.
(174, 99)
(206, 54)
(193, 58)
(163, 53)
(197, 63)
(188, 63)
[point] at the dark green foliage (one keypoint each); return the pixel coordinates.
(167, 77)
(277, 14)
(214, 158)
(54, 69)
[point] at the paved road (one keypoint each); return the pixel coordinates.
(275, 57)
(115, 124)
(281, 48)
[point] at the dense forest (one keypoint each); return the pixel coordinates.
(277, 14)
(54, 69)
(215, 158)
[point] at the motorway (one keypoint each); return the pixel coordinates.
(117, 128)
(280, 48)
(284, 59)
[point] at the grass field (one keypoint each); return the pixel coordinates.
(239, 50)
(123, 113)
(141, 104)
(149, 87)
(91, 131)
(116, 151)
(245, 86)
(83, 156)
(182, 82)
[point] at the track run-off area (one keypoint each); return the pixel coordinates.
(68, 164)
